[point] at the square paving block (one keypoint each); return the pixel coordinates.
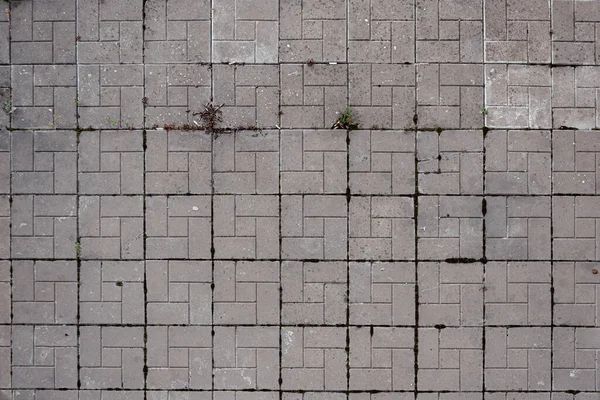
(246, 357)
(111, 292)
(313, 161)
(44, 357)
(313, 358)
(576, 162)
(450, 359)
(179, 357)
(111, 357)
(576, 300)
(382, 162)
(313, 293)
(245, 226)
(111, 162)
(246, 293)
(517, 228)
(382, 228)
(178, 227)
(381, 358)
(450, 227)
(179, 292)
(314, 227)
(574, 353)
(382, 293)
(246, 162)
(518, 358)
(518, 162)
(44, 226)
(111, 227)
(575, 236)
(178, 162)
(44, 292)
(450, 294)
(44, 162)
(518, 293)
(450, 162)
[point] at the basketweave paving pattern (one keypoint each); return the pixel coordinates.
(442, 243)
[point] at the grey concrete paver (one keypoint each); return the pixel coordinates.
(440, 243)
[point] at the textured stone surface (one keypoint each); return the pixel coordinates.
(390, 200)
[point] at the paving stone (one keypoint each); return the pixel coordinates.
(109, 32)
(246, 162)
(313, 292)
(48, 394)
(246, 357)
(518, 162)
(244, 31)
(109, 395)
(175, 94)
(574, 97)
(312, 30)
(574, 233)
(382, 31)
(313, 96)
(518, 228)
(245, 226)
(111, 227)
(524, 395)
(42, 32)
(44, 357)
(111, 96)
(111, 292)
(518, 32)
(188, 395)
(314, 227)
(449, 227)
(5, 353)
(381, 228)
(459, 396)
(249, 95)
(381, 162)
(382, 95)
(314, 395)
(518, 293)
(450, 95)
(43, 226)
(179, 357)
(450, 359)
(450, 294)
(381, 358)
(178, 227)
(518, 358)
(575, 303)
(43, 162)
(450, 162)
(246, 293)
(574, 169)
(518, 96)
(5, 296)
(574, 352)
(237, 395)
(178, 162)
(179, 292)
(313, 161)
(380, 396)
(111, 357)
(313, 358)
(43, 292)
(449, 31)
(382, 293)
(4, 38)
(177, 31)
(111, 162)
(573, 38)
(44, 96)
(5, 227)
(5, 97)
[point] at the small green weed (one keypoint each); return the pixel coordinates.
(78, 249)
(345, 120)
(484, 111)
